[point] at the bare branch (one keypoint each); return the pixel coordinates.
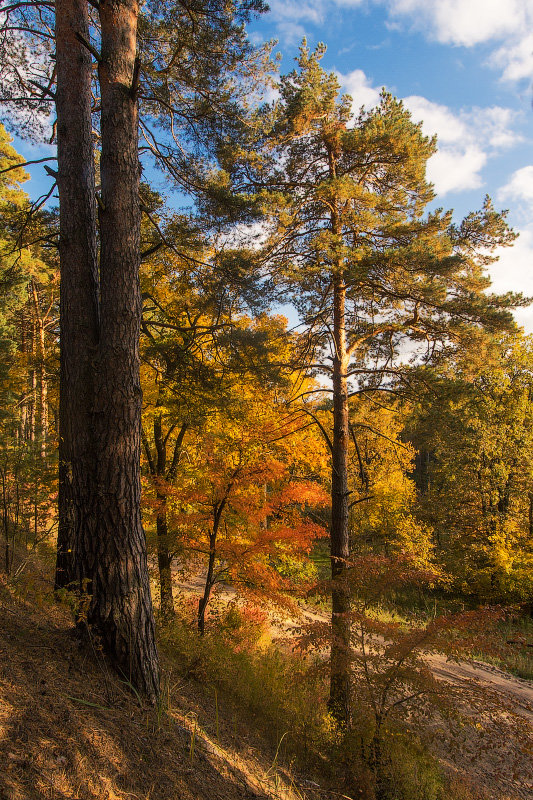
(28, 163)
(92, 50)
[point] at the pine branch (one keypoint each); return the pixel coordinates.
(28, 163)
(92, 50)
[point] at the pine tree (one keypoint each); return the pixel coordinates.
(475, 427)
(101, 541)
(79, 314)
(369, 272)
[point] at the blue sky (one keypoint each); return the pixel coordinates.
(463, 67)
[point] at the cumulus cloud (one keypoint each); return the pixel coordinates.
(519, 187)
(291, 15)
(456, 169)
(466, 139)
(514, 272)
(464, 23)
(358, 86)
(436, 119)
(312, 10)
(468, 23)
(290, 33)
(515, 58)
(471, 22)
(492, 125)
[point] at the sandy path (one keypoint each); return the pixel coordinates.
(460, 674)
(485, 675)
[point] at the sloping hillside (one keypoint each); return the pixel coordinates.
(69, 728)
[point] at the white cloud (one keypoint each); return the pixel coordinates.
(464, 22)
(515, 58)
(519, 187)
(290, 33)
(514, 272)
(311, 11)
(466, 140)
(436, 119)
(468, 23)
(358, 86)
(495, 123)
(491, 126)
(290, 15)
(471, 22)
(456, 169)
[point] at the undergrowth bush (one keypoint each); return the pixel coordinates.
(287, 693)
(407, 771)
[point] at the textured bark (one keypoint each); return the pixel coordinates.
(210, 578)
(164, 564)
(339, 699)
(204, 600)
(121, 605)
(79, 292)
(157, 464)
(164, 558)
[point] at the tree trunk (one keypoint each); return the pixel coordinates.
(33, 378)
(121, 604)
(164, 563)
(157, 465)
(40, 366)
(339, 699)
(339, 695)
(209, 579)
(204, 600)
(79, 293)
(164, 557)
(5, 520)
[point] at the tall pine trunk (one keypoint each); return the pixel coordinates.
(79, 293)
(339, 695)
(121, 606)
(339, 699)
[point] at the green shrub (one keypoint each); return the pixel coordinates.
(286, 692)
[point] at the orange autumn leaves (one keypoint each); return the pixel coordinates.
(245, 505)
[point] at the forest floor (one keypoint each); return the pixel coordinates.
(71, 730)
